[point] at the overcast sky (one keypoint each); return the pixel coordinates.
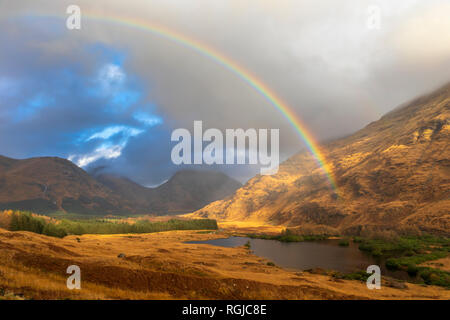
(110, 95)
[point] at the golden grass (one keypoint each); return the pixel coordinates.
(442, 264)
(163, 266)
(39, 285)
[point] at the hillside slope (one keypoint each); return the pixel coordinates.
(185, 191)
(394, 173)
(49, 184)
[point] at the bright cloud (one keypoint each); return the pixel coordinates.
(105, 151)
(147, 119)
(114, 130)
(108, 149)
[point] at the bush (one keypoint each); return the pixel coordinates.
(392, 264)
(417, 259)
(435, 277)
(412, 270)
(289, 238)
(379, 247)
(357, 239)
(407, 253)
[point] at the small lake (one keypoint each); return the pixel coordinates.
(325, 254)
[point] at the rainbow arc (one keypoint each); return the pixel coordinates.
(221, 59)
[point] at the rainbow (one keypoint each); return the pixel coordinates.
(227, 63)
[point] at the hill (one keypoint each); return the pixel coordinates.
(392, 174)
(50, 184)
(185, 191)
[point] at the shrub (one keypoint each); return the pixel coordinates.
(435, 277)
(392, 264)
(412, 270)
(416, 259)
(357, 239)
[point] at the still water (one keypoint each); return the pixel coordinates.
(325, 254)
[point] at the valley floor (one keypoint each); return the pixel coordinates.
(162, 266)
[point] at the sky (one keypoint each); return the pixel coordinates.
(109, 95)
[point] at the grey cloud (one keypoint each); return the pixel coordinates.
(318, 56)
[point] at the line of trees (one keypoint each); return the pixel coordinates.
(25, 221)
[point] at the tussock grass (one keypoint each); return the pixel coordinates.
(39, 285)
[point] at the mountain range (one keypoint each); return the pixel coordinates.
(392, 174)
(51, 184)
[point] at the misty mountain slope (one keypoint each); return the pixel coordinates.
(395, 172)
(186, 191)
(192, 189)
(128, 189)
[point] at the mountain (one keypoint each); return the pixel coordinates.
(392, 174)
(186, 191)
(49, 184)
(192, 189)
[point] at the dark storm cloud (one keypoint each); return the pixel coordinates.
(78, 103)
